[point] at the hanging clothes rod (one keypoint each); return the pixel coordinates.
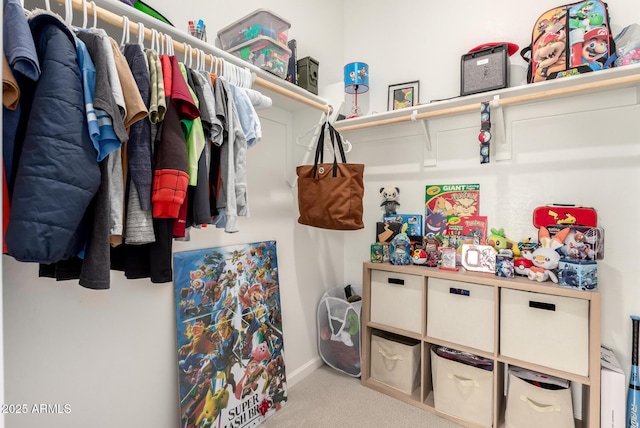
(118, 21)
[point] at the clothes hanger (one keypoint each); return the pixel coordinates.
(220, 71)
(68, 12)
(84, 14)
(169, 41)
(125, 30)
(204, 62)
(140, 35)
(251, 77)
(47, 5)
(241, 77)
(246, 77)
(184, 59)
(95, 14)
(161, 37)
(154, 36)
(226, 71)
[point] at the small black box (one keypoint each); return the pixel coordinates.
(308, 74)
(484, 70)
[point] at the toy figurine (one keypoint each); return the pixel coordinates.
(376, 253)
(545, 258)
(448, 258)
(500, 242)
(389, 199)
(401, 248)
(419, 257)
(432, 248)
(435, 224)
(522, 264)
(433, 257)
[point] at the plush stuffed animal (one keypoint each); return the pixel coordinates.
(499, 241)
(545, 258)
(389, 197)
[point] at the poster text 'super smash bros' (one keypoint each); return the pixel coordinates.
(229, 326)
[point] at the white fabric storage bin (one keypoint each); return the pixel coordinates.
(461, 390)
(529, 406)
(395, 361)
(396, 300)
(339, 330)
(552, 331)
(461, 312)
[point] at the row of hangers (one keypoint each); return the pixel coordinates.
(163, 43)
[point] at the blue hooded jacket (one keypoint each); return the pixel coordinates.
(57, 174)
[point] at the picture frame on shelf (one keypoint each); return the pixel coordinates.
(403, 95)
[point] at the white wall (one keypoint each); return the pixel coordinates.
(317, 26)
(111, 354)
(589, 158)
(408, 40)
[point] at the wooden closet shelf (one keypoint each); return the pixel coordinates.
(285, 94)
(627, 76)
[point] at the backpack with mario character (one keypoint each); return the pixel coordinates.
(569, 40)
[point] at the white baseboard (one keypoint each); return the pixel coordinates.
(304, 371)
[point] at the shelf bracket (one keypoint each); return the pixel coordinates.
(498, 126)
(429, 150)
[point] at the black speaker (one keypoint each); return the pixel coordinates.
(484, 70)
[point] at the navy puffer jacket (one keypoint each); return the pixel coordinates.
(57, 173)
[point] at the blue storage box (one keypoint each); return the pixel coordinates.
(582, 275)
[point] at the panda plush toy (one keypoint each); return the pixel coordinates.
(389, 197)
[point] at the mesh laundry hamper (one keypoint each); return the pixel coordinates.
(339, 330)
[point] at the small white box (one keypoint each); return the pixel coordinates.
(463, 391)
(552, 331)
(529, 406)
(461, 312)
(612, 391)
(396, 300)
(395, 361)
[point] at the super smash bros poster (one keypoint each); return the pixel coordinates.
(229, 326)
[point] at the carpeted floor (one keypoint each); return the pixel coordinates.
(330, 399)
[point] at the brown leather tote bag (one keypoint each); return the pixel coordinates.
(330, 194)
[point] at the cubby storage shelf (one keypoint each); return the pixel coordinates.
(375, 276)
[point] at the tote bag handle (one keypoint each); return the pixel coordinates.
(339, 141)
(319, 158)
